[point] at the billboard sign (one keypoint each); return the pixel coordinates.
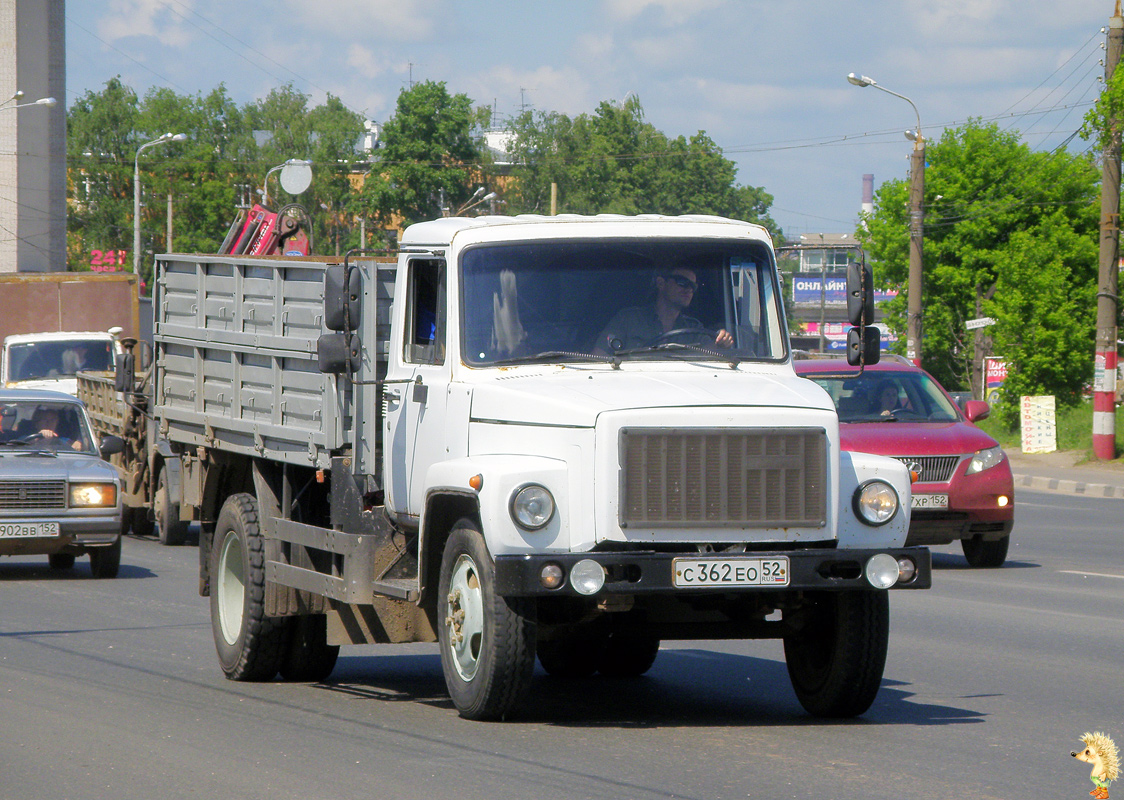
(806, 289)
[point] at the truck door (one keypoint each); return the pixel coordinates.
(415, 410)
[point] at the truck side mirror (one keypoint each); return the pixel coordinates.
(124, 378)
(860, 293)
(863, 346)
(337, 353)
(111, 445)
(341, 302)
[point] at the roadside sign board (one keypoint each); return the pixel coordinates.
(1039, 424)
(982, 322)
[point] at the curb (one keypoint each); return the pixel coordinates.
(1068, 487)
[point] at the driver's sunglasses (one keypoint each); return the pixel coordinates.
(682, 282)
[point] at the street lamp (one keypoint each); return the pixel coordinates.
(477, 198)
(300, 176)
(15, 98)
(916, 221)
(167, 137)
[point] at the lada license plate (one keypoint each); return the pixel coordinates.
(28, 530)
(693, 573)
(929, 501)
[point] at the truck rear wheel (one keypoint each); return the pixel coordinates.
(250, 645)
(105, 562)
(308, 656)
(170, 528)
(835, 660)
(487, 642)
(574, 655)
(628, 654)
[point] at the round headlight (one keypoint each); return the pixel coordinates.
(587, 577)
(532, 506)
(882, 571)
(876, 502)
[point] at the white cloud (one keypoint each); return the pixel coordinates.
(160, 19)
(372, 19)
(546, 88)
(673, 12)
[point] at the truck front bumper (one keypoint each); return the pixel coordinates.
(646, 572)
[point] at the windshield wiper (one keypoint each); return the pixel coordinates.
(549, 354)
(679, 346)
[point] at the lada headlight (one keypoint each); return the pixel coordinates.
(876, 502)
(532, 506)
(93, 495)
(985, 459)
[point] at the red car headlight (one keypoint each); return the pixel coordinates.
(985, 459)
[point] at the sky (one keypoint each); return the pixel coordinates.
(765, 80)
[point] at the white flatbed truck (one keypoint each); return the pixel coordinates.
(457, 447)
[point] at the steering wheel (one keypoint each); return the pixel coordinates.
(54, 441)
(696, 336)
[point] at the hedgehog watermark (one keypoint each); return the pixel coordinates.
(1101, 752)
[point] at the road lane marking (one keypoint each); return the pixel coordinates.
(1093, 574)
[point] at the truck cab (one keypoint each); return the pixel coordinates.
(52, 360)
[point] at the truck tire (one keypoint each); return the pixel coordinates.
(574, 655)
(105, 562)
(250, 645)
(985, 554)
(60, 561)
(835, 661)
(308, 656)
(170, 528)
(487, 642)
(627, 654)
(136, 520)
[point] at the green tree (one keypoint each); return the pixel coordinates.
(615, 162)
(429, 157)
(993, 192)
(101, 143)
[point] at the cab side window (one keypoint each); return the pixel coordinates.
(425, 312)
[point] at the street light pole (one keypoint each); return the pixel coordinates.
(916, 222)
(167, 137)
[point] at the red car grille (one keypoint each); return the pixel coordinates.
(934, 469)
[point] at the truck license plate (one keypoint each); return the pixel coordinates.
(692, 573)
(929, 501)
(28, 530)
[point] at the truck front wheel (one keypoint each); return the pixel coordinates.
(835, 660)
(250, 645)
(487, 641)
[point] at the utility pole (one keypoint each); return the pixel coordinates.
(1104, 387)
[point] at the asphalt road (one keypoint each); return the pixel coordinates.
(110, 689)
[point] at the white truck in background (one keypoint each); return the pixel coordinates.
(450, 449)
(54, 324)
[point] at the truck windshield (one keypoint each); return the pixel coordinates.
(56, 358)
(578, 300)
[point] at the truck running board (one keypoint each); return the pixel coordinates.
(350, 579)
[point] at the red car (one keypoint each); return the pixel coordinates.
(963, 487)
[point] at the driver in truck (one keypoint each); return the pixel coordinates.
(642, 326)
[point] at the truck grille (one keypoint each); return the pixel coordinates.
(934, 469)
(764, 478)
(32, 495)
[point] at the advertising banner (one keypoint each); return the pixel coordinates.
(1039, 424)
(806, 289)
(995, 372)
